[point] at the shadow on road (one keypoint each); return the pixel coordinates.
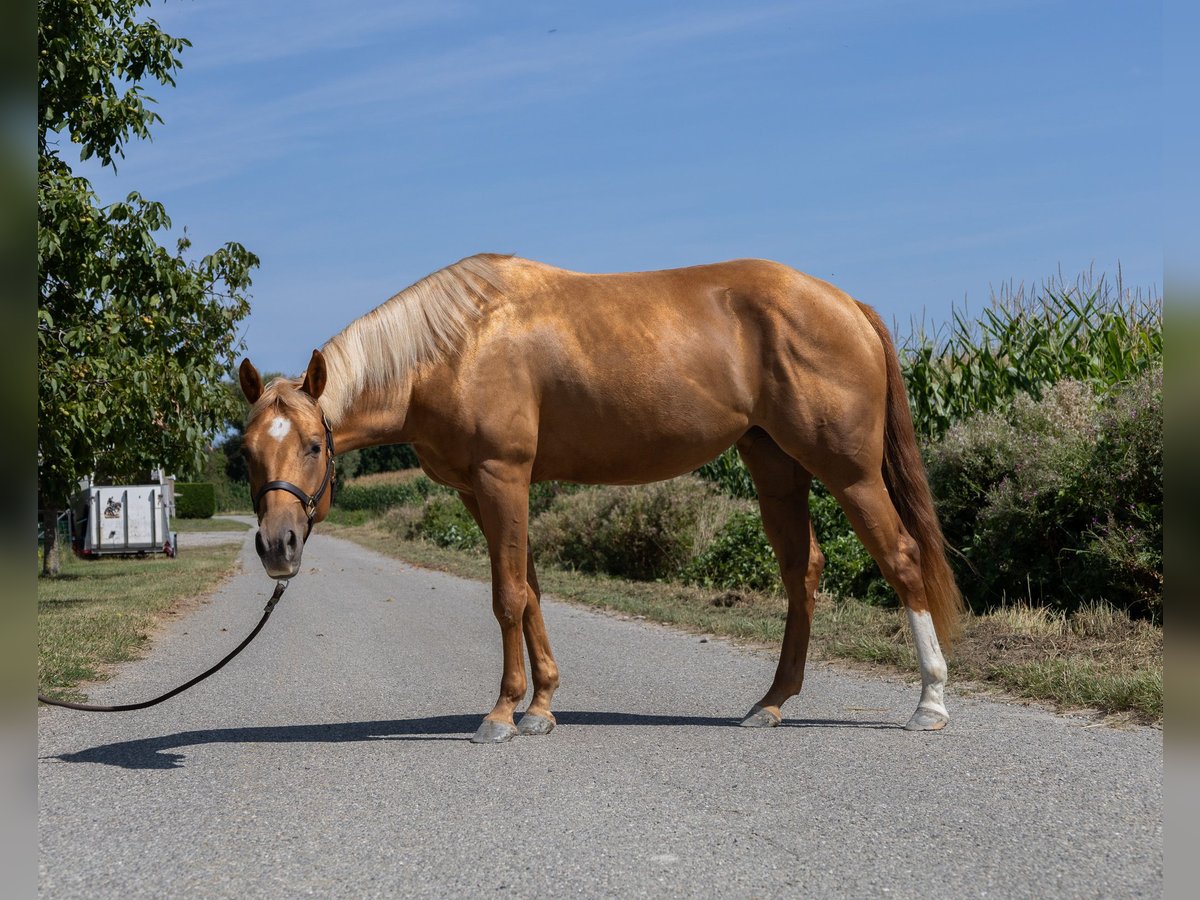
(154, 752)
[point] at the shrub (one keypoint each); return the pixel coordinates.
(444, 521)
(1059, 500)
(740, 556)
(543, 494)
(644, 532)
(195, 500)
(440, 519)
(850, 571)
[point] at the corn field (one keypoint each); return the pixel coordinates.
(1092, 331)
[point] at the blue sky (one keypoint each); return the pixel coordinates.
(914, 153)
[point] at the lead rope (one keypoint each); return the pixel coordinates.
(280, 587)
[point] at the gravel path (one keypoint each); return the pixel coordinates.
(190, 539)
(331, 759)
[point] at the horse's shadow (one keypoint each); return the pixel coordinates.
(153, 752)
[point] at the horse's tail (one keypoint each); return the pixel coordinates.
(907, 483)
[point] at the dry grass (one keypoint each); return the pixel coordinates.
(398, 477)
(1097, 658)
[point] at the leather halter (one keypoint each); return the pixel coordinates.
(309, 501)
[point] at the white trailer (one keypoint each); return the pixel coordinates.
(123, 519)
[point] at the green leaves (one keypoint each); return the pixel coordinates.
(133, 341)
(1058, 501)
(1100, 335)
(91, 58)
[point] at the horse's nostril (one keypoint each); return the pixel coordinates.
(291, 544)
(259, 545)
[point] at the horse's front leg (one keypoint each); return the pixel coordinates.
(502, 493)
(538, 718)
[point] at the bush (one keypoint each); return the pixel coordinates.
(543, 494)
(645, 532)
(233, 497)
(1059, 500)
(382, 497)
(849, 569)
(740, 556)
(195, 500)
(441, 519)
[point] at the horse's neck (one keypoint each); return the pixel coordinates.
(374, 416)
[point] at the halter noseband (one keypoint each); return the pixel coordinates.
(310, 501)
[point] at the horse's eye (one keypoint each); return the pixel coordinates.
(315, 448)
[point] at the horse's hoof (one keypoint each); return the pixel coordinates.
(926, 719)
(761, 717)
(491, 732)
(532, 723)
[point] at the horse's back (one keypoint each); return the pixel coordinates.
(643, 375)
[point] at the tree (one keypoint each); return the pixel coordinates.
(133, 340)
(386, 458)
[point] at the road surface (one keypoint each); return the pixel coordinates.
(331, 759)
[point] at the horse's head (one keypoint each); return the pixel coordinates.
(289, 451)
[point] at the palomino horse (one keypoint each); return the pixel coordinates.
(501, 372)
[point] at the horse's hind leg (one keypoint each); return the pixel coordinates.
(878, 526)
(783, 485)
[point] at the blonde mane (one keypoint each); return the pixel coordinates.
(420, 324)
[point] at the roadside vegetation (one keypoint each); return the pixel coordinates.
(99, 612)
(1096, 657)
(1042, 431)
(217, 523)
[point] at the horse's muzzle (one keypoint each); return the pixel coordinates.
(280, 553)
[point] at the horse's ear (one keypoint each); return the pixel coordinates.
(250, 379)
(314, 378)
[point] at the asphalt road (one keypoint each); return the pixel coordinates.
(331, 759)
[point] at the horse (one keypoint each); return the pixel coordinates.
(502, 372)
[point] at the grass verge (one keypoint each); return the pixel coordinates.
(1095, 659)
(216, 523)
(100, 612)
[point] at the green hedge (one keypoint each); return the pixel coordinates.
(195, 500)
(233, 497)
